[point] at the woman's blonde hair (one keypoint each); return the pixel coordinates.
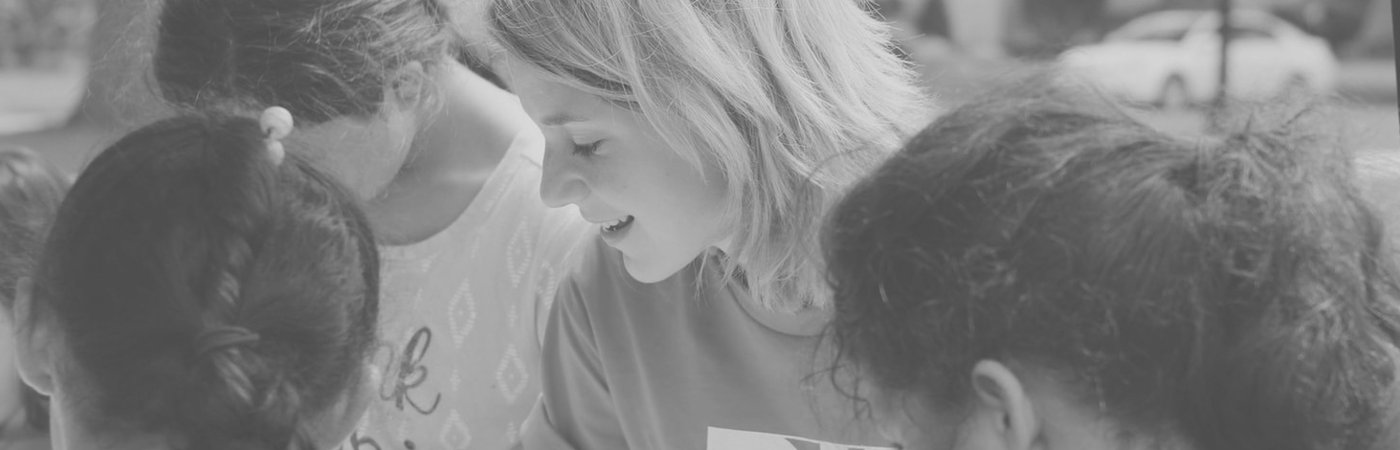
(792, 99)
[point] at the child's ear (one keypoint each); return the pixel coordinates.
(408, 86)
(1002, 414)
(35, 343)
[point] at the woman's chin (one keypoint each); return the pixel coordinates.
(650, 270)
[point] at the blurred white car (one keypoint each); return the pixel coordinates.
(1171, 58)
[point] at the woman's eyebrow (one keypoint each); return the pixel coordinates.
(557, 119)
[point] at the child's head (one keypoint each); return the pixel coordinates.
(196, 293)
(30, 192)
(1038, 266)
(357, 74)
(715, 123)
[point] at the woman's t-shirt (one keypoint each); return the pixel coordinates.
(680, 365)
(462, 314)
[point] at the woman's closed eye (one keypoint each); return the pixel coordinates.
(587, 149)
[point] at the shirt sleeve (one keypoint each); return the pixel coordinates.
(562, 238)
(576, 410)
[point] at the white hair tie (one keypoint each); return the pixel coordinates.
(276, 123)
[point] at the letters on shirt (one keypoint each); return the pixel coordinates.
(410, 374)
(404, 373)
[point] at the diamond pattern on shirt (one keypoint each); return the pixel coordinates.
(511, 376)
(473, 285)
(518, 254)
(461, 313)
(548, 285)
(455, 435)
(513, 433)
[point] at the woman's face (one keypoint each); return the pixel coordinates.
(648, 201)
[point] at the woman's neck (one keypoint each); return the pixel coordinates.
(805, 321)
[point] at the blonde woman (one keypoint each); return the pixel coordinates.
(706, 139)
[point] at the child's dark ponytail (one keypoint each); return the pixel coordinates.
(210, 291)
(1236, 294)
(1301, 322)
(243, 381)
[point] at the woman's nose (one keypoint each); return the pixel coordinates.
(561, 182)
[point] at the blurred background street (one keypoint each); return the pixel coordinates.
(959, 45)
(71, 71)
(74, 74)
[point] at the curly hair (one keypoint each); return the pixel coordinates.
(1237, 290)
(186, 226)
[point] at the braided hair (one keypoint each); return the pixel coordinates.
(186, 226)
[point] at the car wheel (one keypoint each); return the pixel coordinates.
(1174, 94)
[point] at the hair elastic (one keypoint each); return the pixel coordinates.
(219, 338)
(276, 123)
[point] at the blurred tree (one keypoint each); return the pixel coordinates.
(1044, 28)
(119, 92)
(933, 19)
(882, 9)
(14, 33)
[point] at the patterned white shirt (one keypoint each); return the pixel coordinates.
(463, 313)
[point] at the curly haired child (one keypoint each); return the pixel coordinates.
(1038, 270)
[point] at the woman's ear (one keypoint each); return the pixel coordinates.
(35, 341)
(1002, 414)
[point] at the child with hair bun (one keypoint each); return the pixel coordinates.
(30, 192)
(448, 166)
(202, 288)
(1038, 270)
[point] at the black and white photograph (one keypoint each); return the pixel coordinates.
(699, 225)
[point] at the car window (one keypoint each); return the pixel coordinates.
(1151, 32)
(1247, 31)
